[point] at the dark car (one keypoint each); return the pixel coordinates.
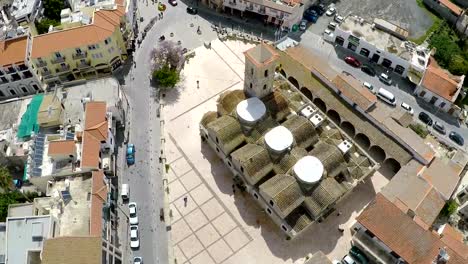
(311, 15)
(352, 61)
(192, 10)
(357, 254)
(130, 154)
(439, 128)
(368, 69)
(317, 8)
(425, 118)
(457, 138)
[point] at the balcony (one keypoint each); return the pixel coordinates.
(58, 60)
(373, 249)
(22, 67)
(62, 69)
(81, 55)
(83, 64)
(41, 63)
(15, 77)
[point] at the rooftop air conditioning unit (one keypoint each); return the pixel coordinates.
(317, 119)
(307, 111)
(345, 146)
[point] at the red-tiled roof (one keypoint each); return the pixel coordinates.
(95, 131)
(98, 198)
(451, 6)
(402, 235)
(13, 51)
(440, 81)
(355, 91)
(61, 147)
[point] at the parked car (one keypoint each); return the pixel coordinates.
(352, 61)
(332, 25)
(130, 154)
(132, 208)
(192, 10)
(311, 15)
(173, 2)
(457, 138)
(331, 11)
(357, 254)
(137, 260)
(339, 19)
(425, 118)
(368, 69)
(348, 260)
(385, 79)
(318, 8)
(303, 25)
(327, 32)
(369, 86)
(408, 108)
(439, 127)
(134, 237)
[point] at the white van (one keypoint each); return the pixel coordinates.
(386, 96)
(125, 192)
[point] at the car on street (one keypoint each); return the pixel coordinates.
(348, 260)
(332, 25)
(327, 32)
(357, 254)
(407, 107)
(331, 11)
(311, 15)
(192, 10)
(385, 79)
(352, 61)
(368, 69)
(320, 9)
(457, 138)
(137, 260)
(339, 19)
(425, 118)
(134, 237)
(369, 86)
(132, 208)
(439, 127)
(303, 25)
(173, 2)
(130, 154)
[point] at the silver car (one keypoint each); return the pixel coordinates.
(132, 208)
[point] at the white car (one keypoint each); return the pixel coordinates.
(327, 32)
(303, 25)
(408, 108)
(369, 86)
(132, 208)
(331, 11)
(385, 79)
(137, 260)
(134, 237)
(339, 18)
(348, 260)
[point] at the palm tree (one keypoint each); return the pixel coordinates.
(5, 179)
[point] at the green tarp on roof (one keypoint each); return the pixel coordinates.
(29, 119)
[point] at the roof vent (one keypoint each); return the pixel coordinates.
(317, 119)
(308, 170)
(345, 146)
(307, 111)
(250, 110)
(279, 139)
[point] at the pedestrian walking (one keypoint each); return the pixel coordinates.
(198, 84)
(185, 201)
(339, 213)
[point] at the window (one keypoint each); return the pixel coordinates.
(271, 203)
(78, 51)
(399, 69)
(264, 87)
(229, 164)
(284, 228)
(255, 195)
(242, 169)
(4, 79)
(364, 52)
(442, 105)
(24, 89)
(107, 41)
(423, 93)
(266, 73)
(58, 55)
(251, 71)
(53, 229)
(91, 47)
(250, 85)
(217, 140)
(339, 40)
(217, 149)
(12, 92)
(268, 210)
(104, 257)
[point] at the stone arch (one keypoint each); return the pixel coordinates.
(307, 93)
(334, 116)
(320, 104)
(293, 81)
(348, 128)
(390, 167)
(362, 140)
(377, 153)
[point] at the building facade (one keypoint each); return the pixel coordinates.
(83, 52)
(17, 75)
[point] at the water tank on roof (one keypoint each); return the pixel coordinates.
(308, 170)
(251, 110)
(279, 139)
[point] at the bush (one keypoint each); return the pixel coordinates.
(166, 77)
(52, 9)
(43, 26)
(450, 207)
(420, 130)
(12, 198)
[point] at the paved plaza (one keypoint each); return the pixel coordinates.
(210, 223)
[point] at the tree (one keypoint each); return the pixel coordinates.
(5, 179)
(458, 65)
(166, 77)
(450, 207)
(12, 198)
(52, 9)
(167, 59)
(43, 26)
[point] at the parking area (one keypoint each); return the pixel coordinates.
(210, 223)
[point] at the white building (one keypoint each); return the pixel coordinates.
(26, 10)
(17, 77)
(280, 12)
(383, 43)
(440, 88)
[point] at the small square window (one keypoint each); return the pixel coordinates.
(268, 210)
(255, 195)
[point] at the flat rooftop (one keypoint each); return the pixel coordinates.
(11, 112)
(25, 235)
(382, 40)
(20, 210)
(20, 8)
(75, 217)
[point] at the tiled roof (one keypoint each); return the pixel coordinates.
(262, 54)
(451, 6)
(440, 81)
(98, 198)
(444, 175)
(299, 219)
(284, 191)
(228, 101)
(228, 132)
(96, 130)
(326, 193)
(255, 160)
(72, 250)
(303, 131)
(355, 91)
(105, 22)
(61, 147)
(331, 158)
(401, 234)
(13, 51)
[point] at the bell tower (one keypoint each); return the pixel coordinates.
(260, 64)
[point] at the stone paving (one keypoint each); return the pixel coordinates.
(215, 225)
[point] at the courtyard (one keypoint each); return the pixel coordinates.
(210, 223)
